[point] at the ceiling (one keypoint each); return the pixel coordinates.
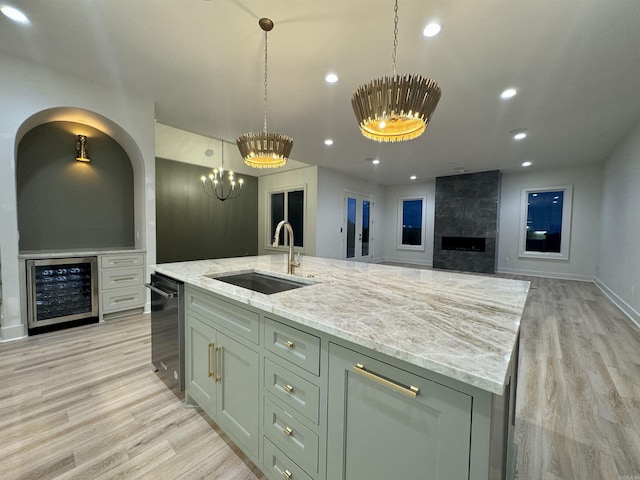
(575, 63)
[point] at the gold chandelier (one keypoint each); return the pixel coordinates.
(265, 150)
(216, 186)
(397, 108)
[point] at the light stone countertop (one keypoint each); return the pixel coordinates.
(458, 325)
(77, 252)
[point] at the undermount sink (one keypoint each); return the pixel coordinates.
(259, 282)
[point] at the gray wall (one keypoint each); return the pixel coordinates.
(192, 226)
(585, 222)
(618, 268)
(66, 204)
(332, 187)
(392, 223)
(304, 178)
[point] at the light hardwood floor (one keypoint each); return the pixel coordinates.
(578, 407)
(84, 403)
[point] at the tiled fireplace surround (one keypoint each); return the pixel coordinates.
(466, 215)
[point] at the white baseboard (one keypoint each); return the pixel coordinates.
(627, 309)
(534, 273)
(15, 332)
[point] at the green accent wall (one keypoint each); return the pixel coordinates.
(192, 226)
(66, 204)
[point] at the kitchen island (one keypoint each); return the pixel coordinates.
(365, 371)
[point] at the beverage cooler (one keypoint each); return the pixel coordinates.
(61, 290)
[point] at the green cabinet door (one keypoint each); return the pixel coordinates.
(238, 392)
(200, 376)
(379, 431)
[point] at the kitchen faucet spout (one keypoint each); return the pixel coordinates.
(276, 241)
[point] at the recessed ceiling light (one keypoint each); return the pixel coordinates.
(508, 93)
(328, 142)
(14, 14)
(431, 30)
(412, 177)
(375, 161)
(519, 134)
(331, 78)
(526, 164)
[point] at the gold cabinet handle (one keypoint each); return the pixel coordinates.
(287, 431)
(410, 391)
(288, 344)
(217, 362)
(287, 474)
(209, 371)
(288, 388)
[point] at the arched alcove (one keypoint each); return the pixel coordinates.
(92, 121)
(66, 204)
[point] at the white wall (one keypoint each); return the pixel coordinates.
(330, 216)
(303, 177)
(33, 94)
(392, 223)
(585, 222)
(182, 146)
(618, 271)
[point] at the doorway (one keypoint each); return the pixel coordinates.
(357, 233)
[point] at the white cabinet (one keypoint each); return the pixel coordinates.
(121, 283)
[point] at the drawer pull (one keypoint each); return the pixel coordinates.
(209, 371)
(410, 391)
(123, 299)
(288, 388)
(287, 431)
(216, 362)
(287, 474)
(123, 279)
(288, 344)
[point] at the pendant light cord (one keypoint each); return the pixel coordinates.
(221, 154)
(395, 37)
(265, 81)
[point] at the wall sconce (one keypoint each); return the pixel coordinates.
(81, 146)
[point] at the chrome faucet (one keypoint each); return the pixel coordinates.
(276, 241)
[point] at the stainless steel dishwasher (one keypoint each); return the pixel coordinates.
(167, 327)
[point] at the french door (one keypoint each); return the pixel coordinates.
(356, 231)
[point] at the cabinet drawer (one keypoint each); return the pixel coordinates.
(121, 277)
(238, 320)
(278, 465)
(294, 391)
(292, 437)
(124, 260)
(296, 346)
(122, 299)
(373, 408)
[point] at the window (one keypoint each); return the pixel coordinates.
(411, 216)
(286, 205)
(545, 222)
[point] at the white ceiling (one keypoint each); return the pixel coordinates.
(576, 64)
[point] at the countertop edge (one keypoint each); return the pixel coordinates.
(34, 254)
